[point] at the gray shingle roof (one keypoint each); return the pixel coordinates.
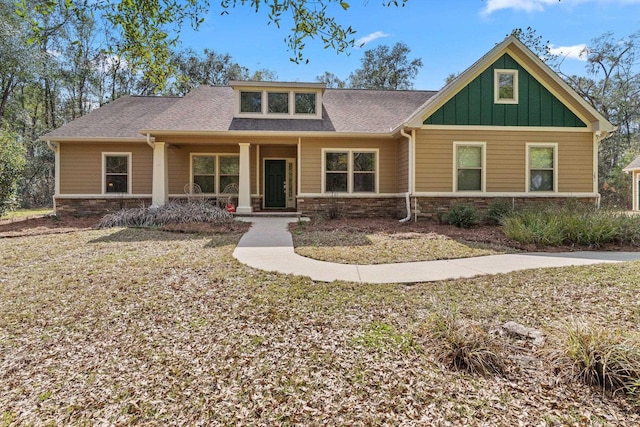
(635, 164)
(211, 109)
(122, 118)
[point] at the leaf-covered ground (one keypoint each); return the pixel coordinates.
(122, 327)
(381, 241)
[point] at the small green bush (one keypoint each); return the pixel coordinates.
(498, 209)
(462, 215)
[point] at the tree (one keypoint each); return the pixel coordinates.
(12, 162)
(331, 80)
(385, 68)
(612, 86)
(144, 26)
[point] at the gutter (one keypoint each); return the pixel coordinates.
(409, 174)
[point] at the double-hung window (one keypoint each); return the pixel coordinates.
(542, 170)
(117, 172)
(350, 171)
(469, 158)
(213, 172)
(506, 86)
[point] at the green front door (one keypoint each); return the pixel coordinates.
(274, 183)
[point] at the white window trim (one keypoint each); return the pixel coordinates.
(496, 87)
(530, 145)
(264, 113)
(350, 172)
(106, 154)
(483, 172)
(216, 157)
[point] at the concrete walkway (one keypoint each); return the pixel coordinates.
(268, 246)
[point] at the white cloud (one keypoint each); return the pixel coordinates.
(540, 5)
(578, 51)
(523, 5)
(371, 37)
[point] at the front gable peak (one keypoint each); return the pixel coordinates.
(509, 86)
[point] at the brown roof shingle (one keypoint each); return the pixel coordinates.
(211, 109)
(122, 118)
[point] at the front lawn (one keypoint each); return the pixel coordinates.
(139, 326)
(382, 241)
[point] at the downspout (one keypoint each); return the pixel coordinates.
(56, 170)
(409, 174)
(149, 143)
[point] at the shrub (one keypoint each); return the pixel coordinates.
(600, 357)
(572, 224)
(464, 345)
(498, 209)
(171, 213)
(463, 216)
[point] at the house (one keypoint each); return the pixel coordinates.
(508, 127)
(634, 169)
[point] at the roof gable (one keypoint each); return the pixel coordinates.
(474, 104)
(534, 66)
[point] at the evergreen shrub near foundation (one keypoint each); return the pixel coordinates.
(572, 224)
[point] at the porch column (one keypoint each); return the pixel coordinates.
(160, 182)
(244, 187)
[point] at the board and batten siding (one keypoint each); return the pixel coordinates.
(81, 166)
(505, 157)
(311, 161)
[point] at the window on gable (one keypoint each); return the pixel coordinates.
(506, 86)
(469, 167)
(305, 103)
(116, 173)
(351, 171)
(278, 102)
(250, 102)
(542, 167)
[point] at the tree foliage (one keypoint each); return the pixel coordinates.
(386, 68)
(148, 31)
(12, 162)
(611, 84)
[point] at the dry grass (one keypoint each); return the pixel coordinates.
(137, 326)
(362, 246)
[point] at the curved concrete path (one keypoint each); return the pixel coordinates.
(268, 246)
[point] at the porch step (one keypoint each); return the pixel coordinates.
(267, 214)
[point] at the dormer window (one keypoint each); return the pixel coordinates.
(276, 100)
(251, 102)
(305, 103)
(506, 86)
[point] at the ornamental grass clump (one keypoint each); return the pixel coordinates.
(171, 213)
(464, 345)
(572, 224)
(600, 357)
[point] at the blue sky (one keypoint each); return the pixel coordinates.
(448, 35)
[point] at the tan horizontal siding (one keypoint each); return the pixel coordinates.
(403, 166)
(506, 154)
(81, 166)
(311, 164)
